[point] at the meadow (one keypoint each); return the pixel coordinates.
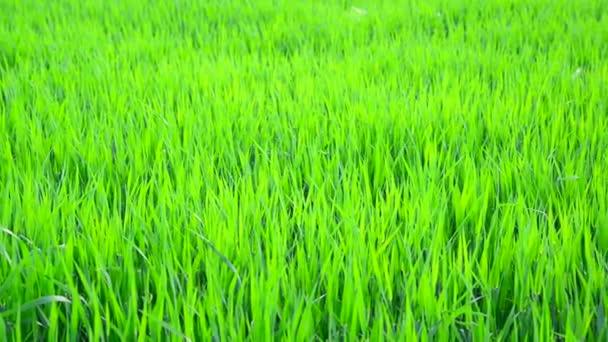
(303, 170)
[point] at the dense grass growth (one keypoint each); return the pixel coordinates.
(303, 170)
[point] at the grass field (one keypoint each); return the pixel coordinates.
(303, 170)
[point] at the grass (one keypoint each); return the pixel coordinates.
(304, 170)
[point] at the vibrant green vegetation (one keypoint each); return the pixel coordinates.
(304, 170)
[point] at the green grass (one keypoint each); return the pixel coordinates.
(304, 170)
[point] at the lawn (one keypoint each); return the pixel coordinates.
(303, 170)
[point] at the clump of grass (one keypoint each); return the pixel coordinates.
(303, 170)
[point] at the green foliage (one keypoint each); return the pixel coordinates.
(297, 170)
